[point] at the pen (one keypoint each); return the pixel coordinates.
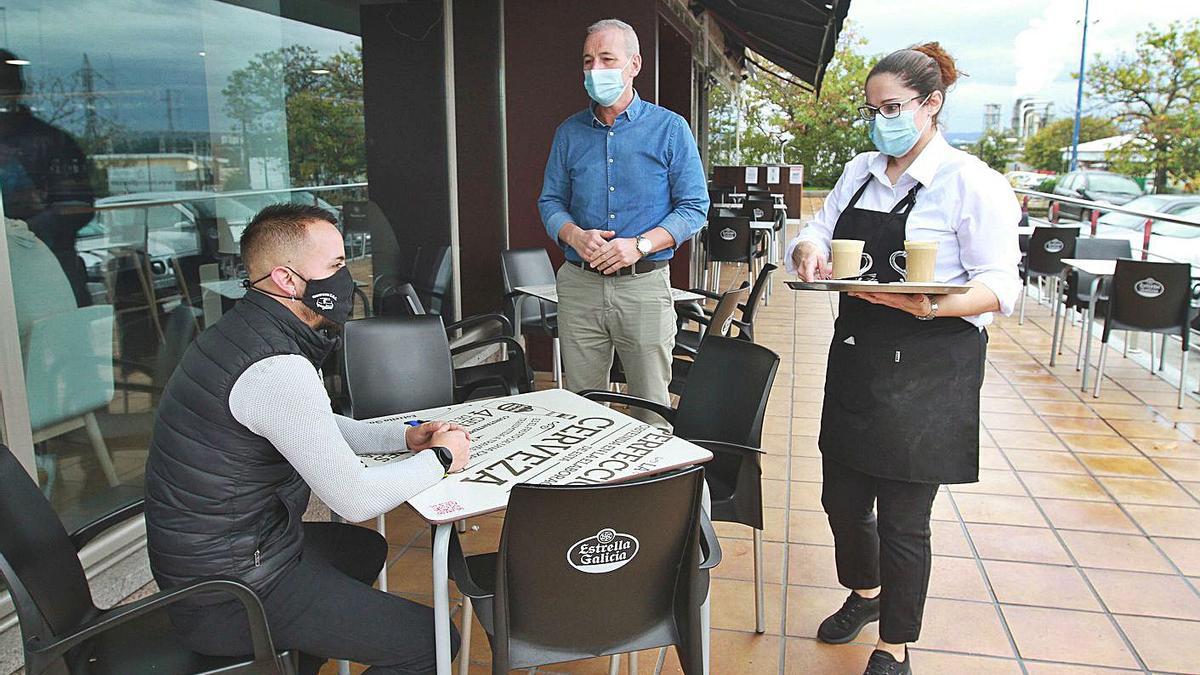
(415, 423)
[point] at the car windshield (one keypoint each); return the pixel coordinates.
(1146, 203)
(1179, 230)
(1108, 182)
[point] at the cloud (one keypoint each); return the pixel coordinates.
(1045, 49)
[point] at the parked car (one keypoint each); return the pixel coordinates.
(1170, 241)
(1097, 186)
(1028, 180)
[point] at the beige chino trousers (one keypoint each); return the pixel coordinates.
(632, 314)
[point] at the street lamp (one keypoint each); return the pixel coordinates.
(1079, 90)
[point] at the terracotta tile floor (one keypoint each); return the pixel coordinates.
(1077, 552)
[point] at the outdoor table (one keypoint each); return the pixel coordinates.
(551, 437)
(1100, 269)
(734, 205)
(549, 293)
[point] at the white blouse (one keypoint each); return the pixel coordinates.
(969, 209)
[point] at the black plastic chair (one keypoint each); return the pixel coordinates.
(749, 310)
(62, 629)
(1047, 247)
(1078, 295)
(718, 324)
(544, 597)
(722, 408)
(431, 277)
(531, 267)
(727, 240)
(1149, 297)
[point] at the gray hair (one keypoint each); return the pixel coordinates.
(632, 46)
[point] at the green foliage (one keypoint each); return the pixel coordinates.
(824, 132)
(1043, 150)
(995, 149)
(1048, 185)
(1155, 92)
(278, 97)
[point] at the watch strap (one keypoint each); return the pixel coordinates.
(444, 456)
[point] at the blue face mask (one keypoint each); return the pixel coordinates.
(605, 85)
(896, 136)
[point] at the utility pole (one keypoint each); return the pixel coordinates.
(91, 120)
(1079, 90)
(170, 120)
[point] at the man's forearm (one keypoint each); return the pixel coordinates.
(660, 239)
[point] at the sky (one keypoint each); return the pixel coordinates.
(1012, 48)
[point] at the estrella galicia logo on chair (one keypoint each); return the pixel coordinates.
(606, 551)
(1054, 246)
(1149, 288)
(728, 234)
(325, 301)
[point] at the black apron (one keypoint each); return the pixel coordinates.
(901, 394)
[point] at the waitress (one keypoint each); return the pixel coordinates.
(901, 407)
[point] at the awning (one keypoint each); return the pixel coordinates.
(798, 35)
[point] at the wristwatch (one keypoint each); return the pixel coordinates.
(643, 245)
(933, 309)
(444, 456)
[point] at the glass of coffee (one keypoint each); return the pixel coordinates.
(920, 260)
(848, 258)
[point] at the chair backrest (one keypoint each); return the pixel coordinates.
(596, 569)
(396, 364)
(398, 299)
(721, 320)
(37, 560)
(178, 333)
(758, 208)
(1048, 246)
(750, 308)
(757, 189)
(526, 267)
(431, 277)
(729, 239)
(1151, 296)
(1091, 248)
(725, 396)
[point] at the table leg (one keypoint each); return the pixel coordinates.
(706, 608)
(464, 652)
(1087, 347)
(441, 597)
(1055, 303)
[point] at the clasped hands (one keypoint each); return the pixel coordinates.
(454, 437)
(604, 251)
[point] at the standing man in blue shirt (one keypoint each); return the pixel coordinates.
(624, 187)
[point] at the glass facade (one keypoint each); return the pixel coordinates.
(137, 139)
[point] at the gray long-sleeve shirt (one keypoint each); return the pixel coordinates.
(282, 399)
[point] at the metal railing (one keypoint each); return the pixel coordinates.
(233, 194)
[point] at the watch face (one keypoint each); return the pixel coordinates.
(643, 245)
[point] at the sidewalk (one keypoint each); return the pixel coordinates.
(1077, 552)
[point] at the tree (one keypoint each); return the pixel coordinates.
(825, 131)
(291, 94)
(1043, 150)
(995, 149)
(1154, 93)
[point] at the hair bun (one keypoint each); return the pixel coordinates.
(944, 61)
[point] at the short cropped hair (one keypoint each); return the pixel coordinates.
(276, 231)
(632, 46)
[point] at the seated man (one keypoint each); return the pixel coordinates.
(245, 429)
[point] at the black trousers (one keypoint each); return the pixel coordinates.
(890, 550)
(325, 608)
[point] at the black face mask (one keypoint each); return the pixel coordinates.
(331, 297)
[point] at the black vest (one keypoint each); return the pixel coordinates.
(221, 500)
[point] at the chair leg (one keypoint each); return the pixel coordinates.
(614, 665)
(633, 663)
(1082, 338)
(464, 648)
(662, 660)
(1162, 354)
(558, 375)
(343, 667)
(1024, 294)
(101, 449)
(760, 613)
(1152, 355)
(381, 527)
(1182, 377)
(1100, 369)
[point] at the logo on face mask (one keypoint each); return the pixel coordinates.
(324, 301)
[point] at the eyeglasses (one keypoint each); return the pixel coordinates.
(888, 110)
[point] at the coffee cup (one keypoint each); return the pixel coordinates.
(920, 261)
(848, 258)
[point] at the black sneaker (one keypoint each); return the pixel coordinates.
(883, 663)
(844, 625)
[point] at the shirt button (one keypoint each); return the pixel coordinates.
(612, 133)
(612, 188)
(610, 160)
(612, 216)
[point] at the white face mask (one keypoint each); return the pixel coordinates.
(605, 85)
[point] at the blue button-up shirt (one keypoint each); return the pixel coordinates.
(642, 172)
